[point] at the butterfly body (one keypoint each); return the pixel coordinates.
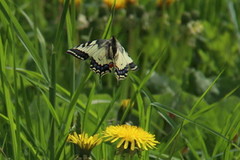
(105, 55)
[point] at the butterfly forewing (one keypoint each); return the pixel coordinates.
(78, 53)
(89, 48)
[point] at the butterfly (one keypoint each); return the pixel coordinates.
(105, 55)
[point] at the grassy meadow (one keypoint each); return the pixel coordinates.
(185, 91)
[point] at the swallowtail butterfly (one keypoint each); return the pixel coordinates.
(105, 55)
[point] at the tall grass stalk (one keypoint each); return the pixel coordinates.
(180, 93)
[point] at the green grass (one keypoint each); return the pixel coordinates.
(185, 92)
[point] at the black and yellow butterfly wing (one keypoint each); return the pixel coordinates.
(122, 63)
(105, 55)
(96, 50)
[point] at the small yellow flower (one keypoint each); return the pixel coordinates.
(118, 5)
(125, 103)
(130, 137)
(85, 143)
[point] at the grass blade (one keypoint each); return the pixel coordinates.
(109, 23)
(52, 97)
(6, 11)
(8, 103)
(86, 113)
(107, 111)
(160, 107)
(204, 94)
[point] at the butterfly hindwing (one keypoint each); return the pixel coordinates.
(99, 62)
(98, 68)
(99, 58)
(122, 64)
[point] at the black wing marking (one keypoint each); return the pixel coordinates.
(88, 49)
(78, 53)
(98, 68)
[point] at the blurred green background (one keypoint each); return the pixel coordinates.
(186, 90)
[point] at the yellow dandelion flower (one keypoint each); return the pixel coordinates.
(130, 137)
(86, 143)
(118, 5)
(125, 103)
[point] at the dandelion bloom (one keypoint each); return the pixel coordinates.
(130, 137)
(85, 142)
(120, 3)
(125, 103)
